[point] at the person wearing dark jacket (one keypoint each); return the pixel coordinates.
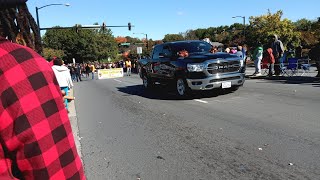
(277, 50)
(78, 72)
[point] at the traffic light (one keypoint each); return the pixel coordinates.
(129, 26)
(103, 27)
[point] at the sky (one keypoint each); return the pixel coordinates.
(158, 18)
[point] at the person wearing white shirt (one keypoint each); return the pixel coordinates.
(63, 77)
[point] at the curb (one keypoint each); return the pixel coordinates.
(74, 124)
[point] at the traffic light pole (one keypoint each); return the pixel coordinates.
(147, 42)
(88, 27)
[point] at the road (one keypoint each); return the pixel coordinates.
(268, 129)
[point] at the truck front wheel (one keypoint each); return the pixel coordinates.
(182, 88)
(147, 82)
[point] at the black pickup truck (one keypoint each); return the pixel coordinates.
(197, 69)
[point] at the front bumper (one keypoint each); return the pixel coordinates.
(215, 81)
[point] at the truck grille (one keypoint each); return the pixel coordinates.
(223, 67)
(196, 75)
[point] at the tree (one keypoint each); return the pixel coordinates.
(120, 39)
(200, 33)
(190, 35)
(303, 25)
(83, 45)
(49, 53)
(315, 27)
(307, 29)
(172, 37)
(76, 45)
(261, 27)
(105, 45)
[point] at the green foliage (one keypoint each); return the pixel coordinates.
(49, 53)
(190, 35)
(83, 45)
(304, 32)
(261, 27)
(303, 25)
(133, 40)
(315, 28)
(172, 37)
(105, 45)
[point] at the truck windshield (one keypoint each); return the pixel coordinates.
(191, 47)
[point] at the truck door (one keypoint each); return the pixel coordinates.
(154, 64)
(166, 68)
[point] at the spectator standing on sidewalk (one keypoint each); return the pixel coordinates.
(298, 52)
(277, 50)
(62, 74)
(78, 72)
(87, 68)
(92, 69)
(128, 66)
(314, 54)
(268, 57)
(257, 57)
(73, 72)
(36, 140)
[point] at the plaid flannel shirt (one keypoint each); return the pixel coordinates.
(35, 132)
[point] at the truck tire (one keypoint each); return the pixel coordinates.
(147, 82)
(182, 87)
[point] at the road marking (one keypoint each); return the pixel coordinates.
(117, 80)
(198, 100)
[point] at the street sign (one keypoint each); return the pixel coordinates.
(125, 44)
(139, 50)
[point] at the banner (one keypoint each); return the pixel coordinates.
(110, 73)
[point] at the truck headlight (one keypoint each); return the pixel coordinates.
(195, 67)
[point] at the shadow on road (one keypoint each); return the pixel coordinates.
(164, 93)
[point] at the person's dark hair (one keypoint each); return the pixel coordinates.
(57, 62)
(17, 24)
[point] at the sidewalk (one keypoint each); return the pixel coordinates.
(74, 123)
(307, 76)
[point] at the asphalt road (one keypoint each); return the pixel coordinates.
(268, 129)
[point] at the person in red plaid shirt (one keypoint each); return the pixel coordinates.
(36, 140)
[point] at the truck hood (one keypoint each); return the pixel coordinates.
(198, 58)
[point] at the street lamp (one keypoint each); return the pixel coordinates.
(244, 24)
(146, 39)
(37, 9)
